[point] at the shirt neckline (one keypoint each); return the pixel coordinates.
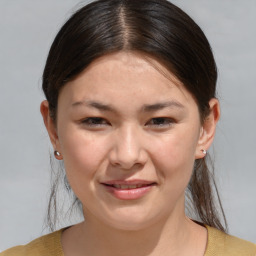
(61, 252)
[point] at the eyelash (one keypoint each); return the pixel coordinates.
(162, 122)
(95, 122)
(158, 122)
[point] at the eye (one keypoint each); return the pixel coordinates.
(95, 122)
(160, 122)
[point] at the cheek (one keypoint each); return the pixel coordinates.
(82, 153)
(174, 155)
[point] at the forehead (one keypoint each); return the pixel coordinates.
(126, 74)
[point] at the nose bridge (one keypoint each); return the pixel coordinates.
(128, 148)
(128, 141)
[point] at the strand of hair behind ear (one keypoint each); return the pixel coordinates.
(205, 200)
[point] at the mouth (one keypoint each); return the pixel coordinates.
(129, 190)
(129, 186)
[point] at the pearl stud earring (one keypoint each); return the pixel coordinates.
(204, 151)
(57, 154)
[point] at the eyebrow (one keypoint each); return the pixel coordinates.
(94, 104)
(145, 108)
(162, 105)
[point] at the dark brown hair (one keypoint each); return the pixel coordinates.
(155, 28)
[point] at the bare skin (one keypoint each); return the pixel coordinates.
(126, 119)
(190, 240)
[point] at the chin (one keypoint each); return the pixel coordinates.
(130, 219)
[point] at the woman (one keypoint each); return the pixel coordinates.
(131, 110)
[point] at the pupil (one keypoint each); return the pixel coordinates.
(159, 121)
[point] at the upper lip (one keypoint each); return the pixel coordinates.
(128, 182)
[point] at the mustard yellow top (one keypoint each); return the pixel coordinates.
(219, 244)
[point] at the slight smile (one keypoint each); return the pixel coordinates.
(128, 190)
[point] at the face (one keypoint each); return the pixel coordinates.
(129, 133)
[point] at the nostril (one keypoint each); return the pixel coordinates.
(127, 160)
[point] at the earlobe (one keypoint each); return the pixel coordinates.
(49, 124)
(208, 129)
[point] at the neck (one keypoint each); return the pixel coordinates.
(146, 241)
(173, 236)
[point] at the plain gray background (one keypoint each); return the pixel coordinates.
(27, 29)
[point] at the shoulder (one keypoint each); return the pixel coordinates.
(222, 244)
(49, 245)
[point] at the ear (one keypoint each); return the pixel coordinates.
(50, 126)
(208, 128)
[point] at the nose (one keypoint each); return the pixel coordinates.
(128, 149)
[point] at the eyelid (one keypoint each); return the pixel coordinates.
(167, 122)
(156, 122)
(94, 121)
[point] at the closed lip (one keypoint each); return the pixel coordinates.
(128, 183)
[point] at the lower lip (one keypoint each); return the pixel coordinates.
(129, 194)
